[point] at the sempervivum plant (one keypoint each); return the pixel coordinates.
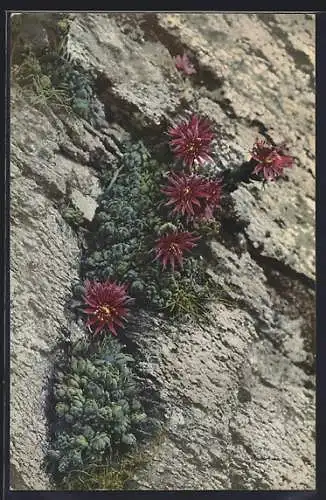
(131, 209)
(185, 192)
(270, 160)
(193, 195)
(97, 409)
(171, 247)
(106, 305)
(191, 140)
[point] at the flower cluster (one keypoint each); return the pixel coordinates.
(191, 197)
(189, 194)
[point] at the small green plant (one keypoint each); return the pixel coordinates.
(115, 476)
(105, 477)
(186, 302)
(98, 415)
(51, 78)
(38, 87)
(73, 216)
(78, 84)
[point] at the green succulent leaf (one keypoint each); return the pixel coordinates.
(102, 413)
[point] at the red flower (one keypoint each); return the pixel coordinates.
(170, 247)
(271, 160)
(185, 192)
(191, 140)
(193, 195)
(106, 303)
(211, 201)
(182, 63)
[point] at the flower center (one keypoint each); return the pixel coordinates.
(173, 248)
(186, 191)
(105, 312)
(269, 158)
(193, 146)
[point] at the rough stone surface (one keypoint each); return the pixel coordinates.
(233, 402)
(44, 261)
(85, 204)
(239, 392)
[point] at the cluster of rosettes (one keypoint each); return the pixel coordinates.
(191, 196)
(97, 407)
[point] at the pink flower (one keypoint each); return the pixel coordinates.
(106, 304)
(170, 247)
(270, 160)
(193, 195)
(211, 201)
(191, 140)
(185, 192)
(182, 63)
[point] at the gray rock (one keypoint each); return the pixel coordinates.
(44, 261)
(85, 204)
(31, 29)
(44, 258)
(239, 392)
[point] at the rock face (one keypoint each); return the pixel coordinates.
(239, 392)
(44, 261)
